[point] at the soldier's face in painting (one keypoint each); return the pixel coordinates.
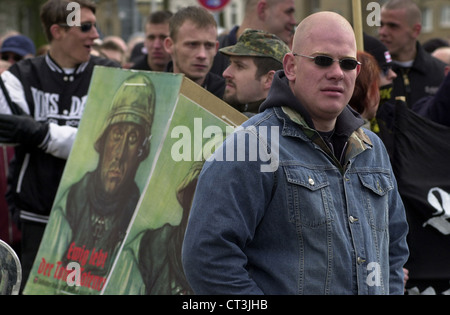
(120, 156)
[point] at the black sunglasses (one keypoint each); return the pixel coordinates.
(15, 57)
(326, 61)
(85, 27)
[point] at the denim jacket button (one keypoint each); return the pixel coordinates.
(353, 219)
(360, 260)
(311, 181)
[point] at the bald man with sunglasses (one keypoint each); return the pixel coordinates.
(325, 216)
(40, 110)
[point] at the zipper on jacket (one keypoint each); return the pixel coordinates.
(26, 161)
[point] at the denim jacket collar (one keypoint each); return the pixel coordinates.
(358, 141)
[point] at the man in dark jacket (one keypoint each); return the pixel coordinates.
(193, 44)
(47, 96)
(418, 73)
(436, 107)
(275, 17)
(156, 31)
(253, 63)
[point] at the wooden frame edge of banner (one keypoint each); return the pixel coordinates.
(211, 103)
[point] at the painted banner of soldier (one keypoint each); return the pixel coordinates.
(119, 217)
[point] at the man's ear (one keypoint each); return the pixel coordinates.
(268, 78)
(57, 31)
(358, 70)
(417, 28)
(290, 66)
(168, 45)
(261, 9)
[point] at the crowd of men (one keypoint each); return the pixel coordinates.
(330, 212)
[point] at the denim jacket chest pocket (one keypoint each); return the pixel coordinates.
(375, 198)
(307, 196)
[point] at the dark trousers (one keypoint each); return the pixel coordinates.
(32, 233)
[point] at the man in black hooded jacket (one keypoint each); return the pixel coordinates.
(47, 95)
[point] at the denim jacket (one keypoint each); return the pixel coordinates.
(291, 219)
